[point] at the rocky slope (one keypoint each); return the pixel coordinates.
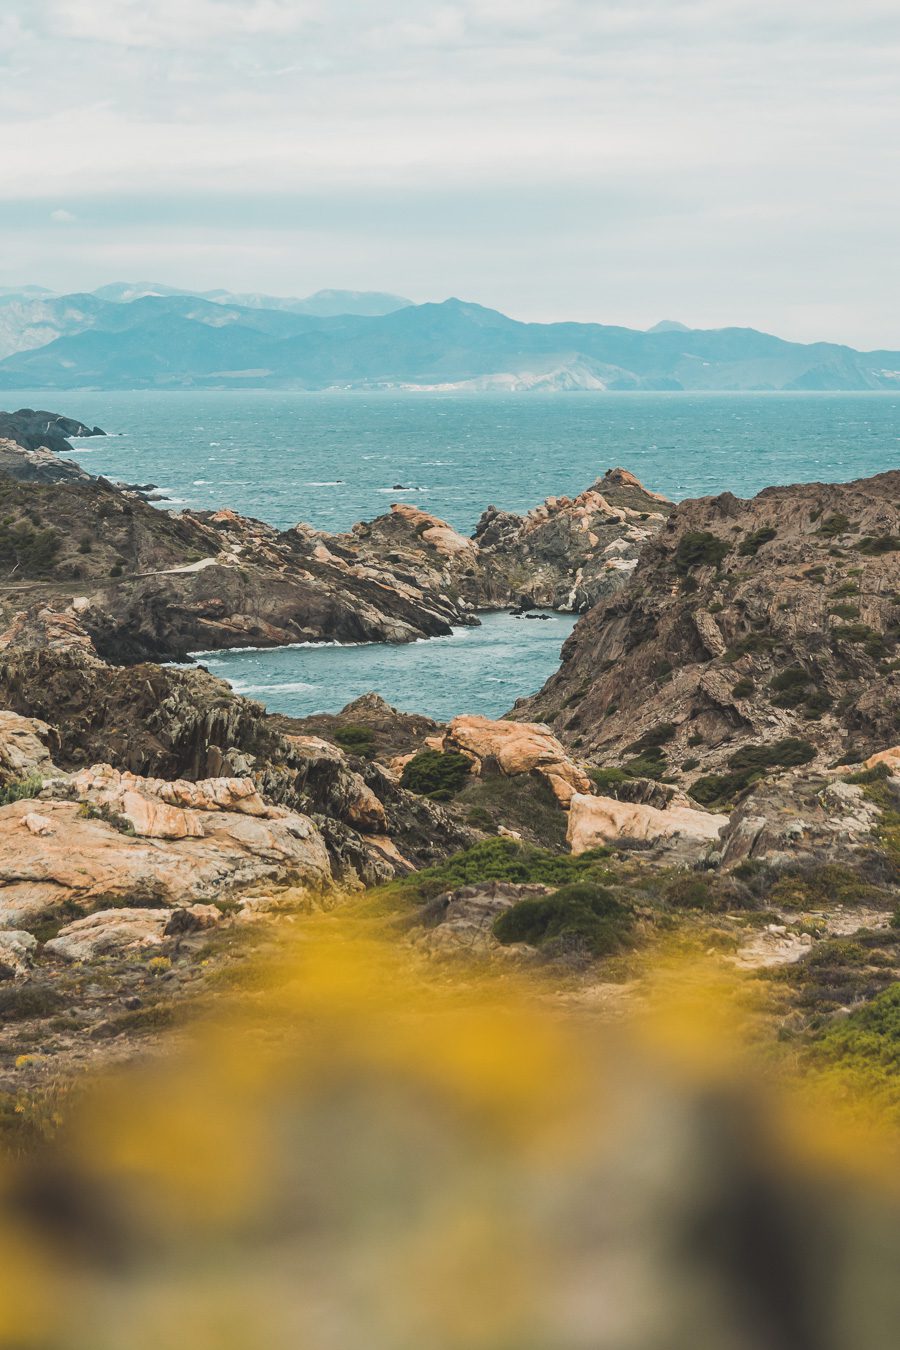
(164, 723)
(753, 634)
(152, 584)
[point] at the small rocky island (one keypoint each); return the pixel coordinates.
(717, 755)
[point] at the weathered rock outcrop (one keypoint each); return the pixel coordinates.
(165, 723)
(24, 752)
(517, 748)
(108, 838)
(564, 554)
(38, 466)
(34, 430)
(746, 623)
(595, 821)
(155, 585)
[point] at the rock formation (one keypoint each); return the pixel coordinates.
(750, 631)
(517, 748)
(102, 837)
(155, 585)
(36, 430)
(595, 821)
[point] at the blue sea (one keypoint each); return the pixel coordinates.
(332, 459)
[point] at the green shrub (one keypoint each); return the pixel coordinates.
(581, 914)
(650, 765)
(699, 548)
(18, 1001)
(752, 644)
(717, 789)
(854, 632)
(786, 753)
(844, 611)
(503, 859)
(793, 677)
(20, 790)
(744, 688)
(834, 525)
(823, 887)
(689, 764)
(818, 702)
(749, 764)
(752, 544)
(875, 545)
(104, 812)
(357, 739)
(609, 779)
(26, 551)
(652, 740)
(438, 774)
(691, 892)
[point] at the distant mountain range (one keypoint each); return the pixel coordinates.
(145, 336)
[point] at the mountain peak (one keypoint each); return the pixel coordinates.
(669, 326)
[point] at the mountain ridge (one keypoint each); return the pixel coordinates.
(187, 340)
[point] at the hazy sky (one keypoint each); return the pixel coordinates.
(705, 160)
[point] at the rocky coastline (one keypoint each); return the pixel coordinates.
(717, 754)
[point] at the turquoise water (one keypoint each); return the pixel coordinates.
(477, 670)
(332, 459)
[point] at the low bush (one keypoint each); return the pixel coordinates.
(834, 525)
(744, 688)
(875, 545)
(754, 542)
(608, 780)
(747, 766)
(652, 740)
(581, 915)
(20, 790)
(438, 774)
(25, 551)
(823, 887)
(503, 859)
(699, 548)
(357, 739)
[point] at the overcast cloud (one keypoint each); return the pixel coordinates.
(705, 160)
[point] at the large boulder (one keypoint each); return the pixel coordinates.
(517, 748)
(125, 842)
(109, 932)
(595, 821)
(23, 748)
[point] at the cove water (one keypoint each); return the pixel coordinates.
(332, 459)
(481, 670)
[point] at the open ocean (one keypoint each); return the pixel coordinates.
(332, 459)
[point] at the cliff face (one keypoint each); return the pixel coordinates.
(151, 584)
(745, 623)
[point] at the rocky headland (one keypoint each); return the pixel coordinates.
(157, 585)
(716, 757)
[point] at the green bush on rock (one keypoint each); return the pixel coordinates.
(581, 915)
(699, 548)
(438, 774)
(357, 739)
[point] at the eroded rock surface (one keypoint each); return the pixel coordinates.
(517, 748)
(158, 586)
(595, 821)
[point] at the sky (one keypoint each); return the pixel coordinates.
(708, 161)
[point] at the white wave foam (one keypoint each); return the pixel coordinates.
(291, 687)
